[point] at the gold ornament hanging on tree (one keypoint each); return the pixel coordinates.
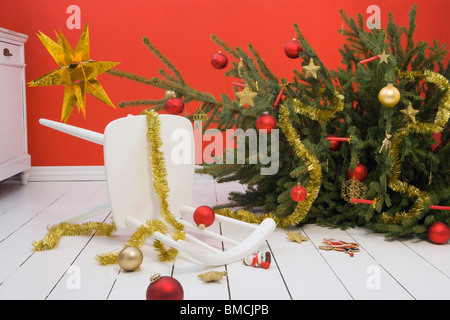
(353, 189)
(386, 144)
(389, 96)
(199, 115)
(383, 57)
(410, 112)
(246, 96)
(169, 94)
(311, 69)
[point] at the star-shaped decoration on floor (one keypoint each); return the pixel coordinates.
(76, 72)
(297, 237)
(246, 96)
(410, 112)
(212, 275)
(311, 69)
(383, 57)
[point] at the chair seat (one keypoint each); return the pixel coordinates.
(128, 167)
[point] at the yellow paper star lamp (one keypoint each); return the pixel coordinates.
(77, 72)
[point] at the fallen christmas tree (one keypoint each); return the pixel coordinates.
(365, 144)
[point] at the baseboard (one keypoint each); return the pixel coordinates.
(76, 173)
(67, 173)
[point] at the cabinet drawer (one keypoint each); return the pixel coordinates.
(10, 53)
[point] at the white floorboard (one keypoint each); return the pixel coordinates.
(393, 270)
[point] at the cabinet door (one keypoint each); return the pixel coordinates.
(11, 113)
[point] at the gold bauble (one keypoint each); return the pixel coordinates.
(389, 96)
(130, 258)
(169, 94)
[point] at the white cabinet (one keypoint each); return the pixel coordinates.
(14, 157)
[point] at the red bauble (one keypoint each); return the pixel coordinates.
(266, 121)
(359, 173)
(335, 145)
(219, 60)
(298, 193)
(437, 136)
(292, 49)
(174, 105)
(439, 233)
(164, 288)
(204, 215)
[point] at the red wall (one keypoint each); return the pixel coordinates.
(181, 30)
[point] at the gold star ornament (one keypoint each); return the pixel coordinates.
(297, 237)
(76, 72)
(410, 112)
(311, 69)
(383, 57)
(212, 275)
(246, 96)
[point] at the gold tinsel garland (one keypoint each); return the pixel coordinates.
(69, 229)
(441, 119)
(138, 239)
(159, 171)
(320, 114)
(313, 187)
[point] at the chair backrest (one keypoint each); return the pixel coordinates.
(128, 166)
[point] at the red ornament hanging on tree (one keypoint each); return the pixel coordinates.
(359, 173)
(219, 60)
(204, 216)
(292, 49)
(164, 288)
(439, 233)
(174, 105)
(298, 193)
(335, 145)
(266, 121)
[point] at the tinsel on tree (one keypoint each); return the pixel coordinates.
(407, 171)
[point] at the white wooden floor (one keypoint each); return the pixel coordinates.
(407, 270)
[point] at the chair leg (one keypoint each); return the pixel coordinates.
(84, 134)
(207, 232)
(86, 214)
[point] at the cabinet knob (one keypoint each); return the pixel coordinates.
(7, 53)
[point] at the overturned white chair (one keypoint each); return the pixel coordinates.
(132, 199)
